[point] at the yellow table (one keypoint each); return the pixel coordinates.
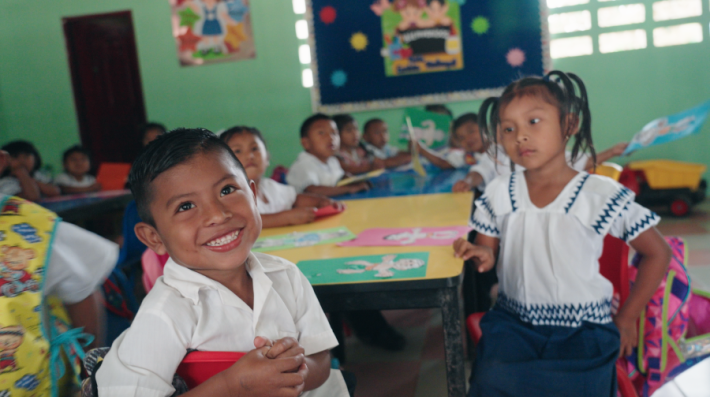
(439, 289)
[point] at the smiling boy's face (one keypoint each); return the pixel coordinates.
(205, 215)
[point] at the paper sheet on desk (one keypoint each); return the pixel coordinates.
(365, 268)
(407, 236)
(303, 239)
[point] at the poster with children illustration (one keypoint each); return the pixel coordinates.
(365, 268)
(430, 129)
(408, 236)
(670, 128)
(303, 239)
(208, 31)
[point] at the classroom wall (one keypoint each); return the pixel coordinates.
(626, 89)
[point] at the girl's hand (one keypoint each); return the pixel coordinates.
(629, 337)
(482, 256)
(462, 186)
(358, 187)
(618, 149)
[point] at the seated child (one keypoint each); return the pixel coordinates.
(317, 170)
(278, 204)
(151, 132)
(353, 157)
(375, 138)
(197, 205)
(551, 332)
(465, 145)
(23, 178)
(76, 178)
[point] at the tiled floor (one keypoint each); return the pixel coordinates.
(419, 370)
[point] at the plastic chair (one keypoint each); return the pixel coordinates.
(612, 170)
(153, 265)
(279, 174)
(198, 366)
(113, 176)
(613, 264)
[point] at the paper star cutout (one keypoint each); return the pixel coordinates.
(515, 57)
(188, 41)
(480, 25)
(358, 41)
(188, 17)
(327, 15)
(338, 78)
(235, 35)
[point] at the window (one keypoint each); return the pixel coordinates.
(307, 78)
(570, 22)
(571, 47)
(621, 15)
(622, 41)
(304, 54)
(676, 9)
(299, 6)
(564, 3)
(677, 35)
(302, 29)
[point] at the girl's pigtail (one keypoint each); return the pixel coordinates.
(583, 141)
(488, 123)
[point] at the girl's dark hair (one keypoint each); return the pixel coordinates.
(309, 122)
(464, 119)
(564, 90)
(341, 120)
(16, 148)
(438, 107)
(76, 149)
(238, 130)
(370, 123)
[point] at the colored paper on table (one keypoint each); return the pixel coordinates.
(408, 236)
(670, 128)
(365, 268)
(330, 210)
(430, 129)
(303, 239)
(416, 161)
(360, 178)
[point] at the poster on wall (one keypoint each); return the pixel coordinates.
(209, 31)
(400, 53)
(430, 129)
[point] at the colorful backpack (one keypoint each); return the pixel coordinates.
(663, 324)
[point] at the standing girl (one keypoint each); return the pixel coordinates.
(551, 332)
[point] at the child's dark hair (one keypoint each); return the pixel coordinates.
(152, 126)
(437, 107)
(75, 149)
(464, 119)
(370, 123)
(239, 130)
(170, 149)
(566, 91)
(16, 148)
(310, 121)
(341, 120)
(442, 2)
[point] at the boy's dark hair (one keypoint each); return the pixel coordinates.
(566, 91)
(464, 119)
(341, 120)
(442, 2)
(239, 130)
(309, 122)
(370, 123)
(439, 108)
(170, 149)
(16, 148)
(76, 149)
(152, 126)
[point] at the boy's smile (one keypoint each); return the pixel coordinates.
(205, 214)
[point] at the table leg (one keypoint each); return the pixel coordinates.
(453, 341)
(336, 324)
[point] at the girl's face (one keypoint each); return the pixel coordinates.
(77, 164)
(531, 133)
(349, 136)
(469, 138)
(26, 160)
(251, 152)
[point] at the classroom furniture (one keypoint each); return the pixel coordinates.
(406, 183)
(153, 265)
(78, 207)
(438, 289)
(113, 176)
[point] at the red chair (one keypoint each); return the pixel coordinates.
(153, 265)
(113, 176)
(198, 366)
(613, 264)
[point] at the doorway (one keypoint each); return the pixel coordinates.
(107, 86)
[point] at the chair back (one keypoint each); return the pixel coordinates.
(153, 265)
(113, 176)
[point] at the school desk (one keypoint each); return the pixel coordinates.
(438, 289)
(78, 207)
(405, 183)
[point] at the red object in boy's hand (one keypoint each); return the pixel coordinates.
(330, 210)
(197, 366)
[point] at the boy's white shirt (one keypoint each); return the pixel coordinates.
(186, 310)
(65, 179)
(308, 170)
(281, 197)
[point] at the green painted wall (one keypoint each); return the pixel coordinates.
(626, 89)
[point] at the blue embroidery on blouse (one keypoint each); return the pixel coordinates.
(638, 226)
(610, 208)
(511, 184)
(483, 228)
(575, 194)
(563, 315)
(485, 204)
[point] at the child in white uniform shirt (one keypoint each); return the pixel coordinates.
(317, 170)
(23, 177)
(278, 204)
(215, 295)
(76, 178)
(551, 331)
(375, 138)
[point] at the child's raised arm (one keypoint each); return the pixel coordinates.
(434, 158)
(656, 255)
(472, 180)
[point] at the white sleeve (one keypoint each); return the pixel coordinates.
(486, 168)
(483, 219)
(62, 180)
(80, 261)
(315, 334)
(633, 220)
(10, 186)
(455, 157)
(300, 177)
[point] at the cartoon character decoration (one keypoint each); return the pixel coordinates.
(11, 207)
(661, 127)
(384, 268)
(10, 340)
(409, 237)
(15, 279)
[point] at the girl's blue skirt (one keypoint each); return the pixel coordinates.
(515, 358)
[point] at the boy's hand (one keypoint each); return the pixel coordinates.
(256, 375)
(358, 187)
(461, 186)
(377, 164)
(326, 202)
(301, 215)
(482, 256)
(629, 337)
(286, 347)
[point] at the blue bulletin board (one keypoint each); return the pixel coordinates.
(410, 52)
